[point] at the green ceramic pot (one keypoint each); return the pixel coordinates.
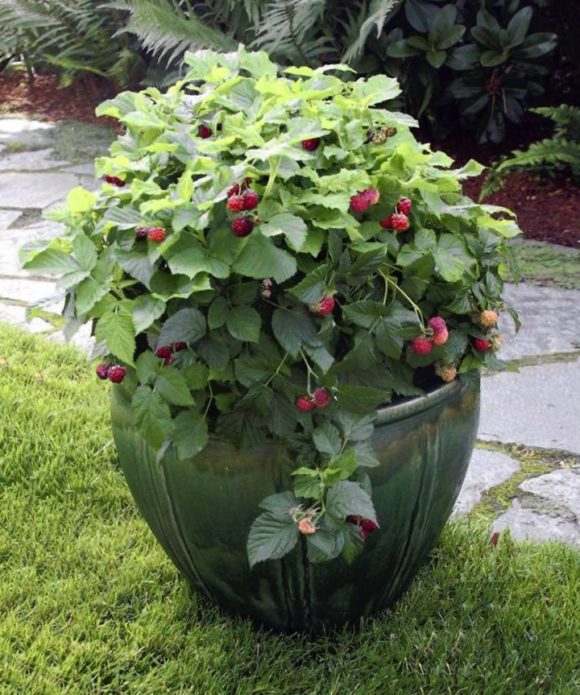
(201, 511)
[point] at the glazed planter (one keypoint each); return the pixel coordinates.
(201, 510)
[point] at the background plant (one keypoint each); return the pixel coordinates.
(72, 37)
(560, 153)
(291, 319)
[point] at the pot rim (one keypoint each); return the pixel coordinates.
(412, 406)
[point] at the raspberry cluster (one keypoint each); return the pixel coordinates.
(320, 398)
(241, 198)
(399, 220)
(112, 372)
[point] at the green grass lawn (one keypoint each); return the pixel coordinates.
(90, 604)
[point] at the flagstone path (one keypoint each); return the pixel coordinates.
(525, 470)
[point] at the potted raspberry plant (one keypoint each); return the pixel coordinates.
(293, 300)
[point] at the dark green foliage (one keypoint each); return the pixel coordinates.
(71, 37)
(560, 152)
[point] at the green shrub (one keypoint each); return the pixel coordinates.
(269, 259)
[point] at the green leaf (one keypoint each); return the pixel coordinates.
(356, 428)
(187, 325)
(88, 293)
(244, 324)
(436, 58)
(293, 328)
(146, 310)
(312, 287)
(152, 416)
(307, 483)
(189, 257)
(325, 544)
(274, 533)
(50, 261)
(353, 543)
(341, 467)
(171, 384)
(365, 455)
(218, 313)
(260, 259)
(116, 329)
(291, 226)
(85, 251)
(148, 367)
(80, 200)
(361, 399)
(190, 434)
(327, 439)
(136, 263)
(349, 499)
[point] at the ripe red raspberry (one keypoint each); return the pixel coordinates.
(324, 307)
(141, 232)
(399, 222)
(421, 345)
(481, 345)
(102, 371)
(371, 195)
(164, 351)
(114, 181)
(116, 373)
(304, 403)
(236, 203)
(359, 203)
(204, 131)
(250, 199)
(156, 234)
(179, 346)
(242, 226)
(234, 190)
(321, 398)
(404, 205)
(310, 144)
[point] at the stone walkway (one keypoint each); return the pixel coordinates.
(525, 472)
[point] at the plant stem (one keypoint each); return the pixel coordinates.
(396, 287)
(274, 165)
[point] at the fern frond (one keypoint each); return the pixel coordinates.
(167, 28)
(566, 119)
(379, 12)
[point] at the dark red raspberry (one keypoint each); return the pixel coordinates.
(141, 232)
(156, 234)
(242, 226)
(234, 190)
(102, 371)
(236, 203)
(324, 307)
(179, 346)
(366, 525)
(310, 144)
(304, 403)
(251, 200)
(164, 351)
(421, 345)
(114, 181)
(116, 373)
(481, 345)
(204, 131)
(321, 398)
(404, 205)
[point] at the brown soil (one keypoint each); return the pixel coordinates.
(547, 209)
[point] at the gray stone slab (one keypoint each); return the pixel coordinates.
(26, 291)
(82, 339)
(25, 134)
(561, 487)
(527, 524)
(87, 169)
(8, 217)
(16, 316)
(538, 406)
(486, 470)
(34, 190)
(550, 319)
(37, 160)
(15, 238)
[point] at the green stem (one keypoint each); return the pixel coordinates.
(396, 287)
(274, 166)
(278, 368)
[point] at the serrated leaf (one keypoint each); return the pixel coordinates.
(365, 455)
(218, 313)
(260, 259)
(146, 310)
(190, 434)
(171, 384)
(116, 329)
(136, 263)
(148, 366)
(189, 257)
(152, 416)
(271, 538)
(325, 544)
(347, 498)
(327, 439)
(244, 324)
(294, 328)
(88, 293)
(311, 289)
(356, 428)
(291, 226)
(361, 399)
(341, 467)
(187, 325)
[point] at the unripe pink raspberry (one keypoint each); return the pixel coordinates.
(306, 527)
(440, 338)
(437, 324)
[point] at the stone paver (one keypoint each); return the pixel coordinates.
(8, 217)
(30, 161)
(486, 470)
(16, 315)
(24, 134)
(561, 487)
(14, 239)
(537, 406)
(528, 524)
(550, 319)
(34, 190)
(31, 291)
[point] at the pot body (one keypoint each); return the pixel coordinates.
(201, 511)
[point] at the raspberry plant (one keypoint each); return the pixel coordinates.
(245, 280)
